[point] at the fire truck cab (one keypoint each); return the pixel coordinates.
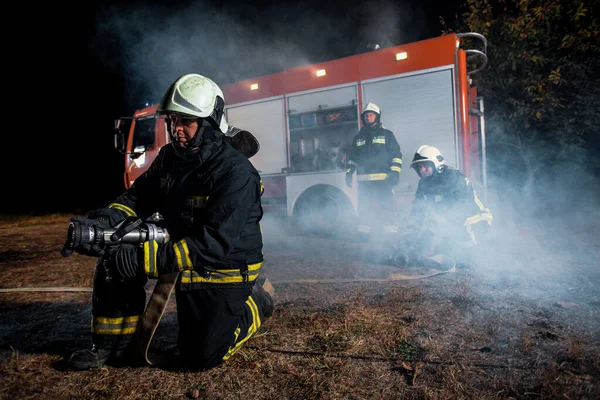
(306, 117)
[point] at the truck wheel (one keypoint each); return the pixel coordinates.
(323, 211)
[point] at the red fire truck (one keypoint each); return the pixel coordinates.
(305, 118)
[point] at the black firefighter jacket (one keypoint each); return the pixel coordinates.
(375, 152)
(447, 204)
(210, 201)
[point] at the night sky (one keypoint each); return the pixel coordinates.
(109, 59)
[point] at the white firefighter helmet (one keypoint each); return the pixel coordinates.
(431, 154)
(198, 96)
(371, 107)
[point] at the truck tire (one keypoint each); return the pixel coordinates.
(323, 211)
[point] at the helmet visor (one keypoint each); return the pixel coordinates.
(424, 168)
(185, 120)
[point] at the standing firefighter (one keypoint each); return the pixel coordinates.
(376, 158)
(446, 217)
(208, 194)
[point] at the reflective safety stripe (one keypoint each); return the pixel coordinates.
(220, 275)
(361, 142)
(182, 254)
(486, 216)
(397, 160)
(127, 210)
(199, 201)
(371, 177)
(379, 139)
(150, 252)
(252, 329)
(115, 326)
(262, 187)
(395, 168)
(482, 207)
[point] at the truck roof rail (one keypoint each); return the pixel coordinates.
(473, 53)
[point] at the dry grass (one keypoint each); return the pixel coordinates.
(455, 336)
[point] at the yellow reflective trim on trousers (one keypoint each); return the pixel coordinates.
(150, 252)
(371, 177)
(395, 168)
(182, 253)
(221, 275)
(115, 326)
(125, 209)
(252, 329)
(199, 201)
(397, 160)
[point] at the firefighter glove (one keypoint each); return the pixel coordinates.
(124, 261)
(393, 178)
(82, 224)
(349, 179)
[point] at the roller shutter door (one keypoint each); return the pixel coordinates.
(265, 120)
(419, 109)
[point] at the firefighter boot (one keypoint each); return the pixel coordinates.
(262, 293)
(97, 356)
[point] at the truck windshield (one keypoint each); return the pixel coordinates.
(144, 133)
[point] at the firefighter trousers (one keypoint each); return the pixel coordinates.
(117, 307)
(214, 320)
(376, 208)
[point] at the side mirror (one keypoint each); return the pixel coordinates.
(122, 127)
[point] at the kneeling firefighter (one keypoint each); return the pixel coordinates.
(209, 196)
(446, 217)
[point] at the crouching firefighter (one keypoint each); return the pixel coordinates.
(446, 217)
(209, 196)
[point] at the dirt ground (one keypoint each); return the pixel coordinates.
(521, 324)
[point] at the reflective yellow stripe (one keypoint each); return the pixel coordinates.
(182, 254)
(360, 142)
(252, 329)
(221, 275)
(394, 168)
(125, 209)
(478, 218)
(371, 177)
(150, 252)
(115, 326)
(380, 140)
(397, 160)
(199, 201)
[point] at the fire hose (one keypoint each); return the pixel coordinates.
(137, 232)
